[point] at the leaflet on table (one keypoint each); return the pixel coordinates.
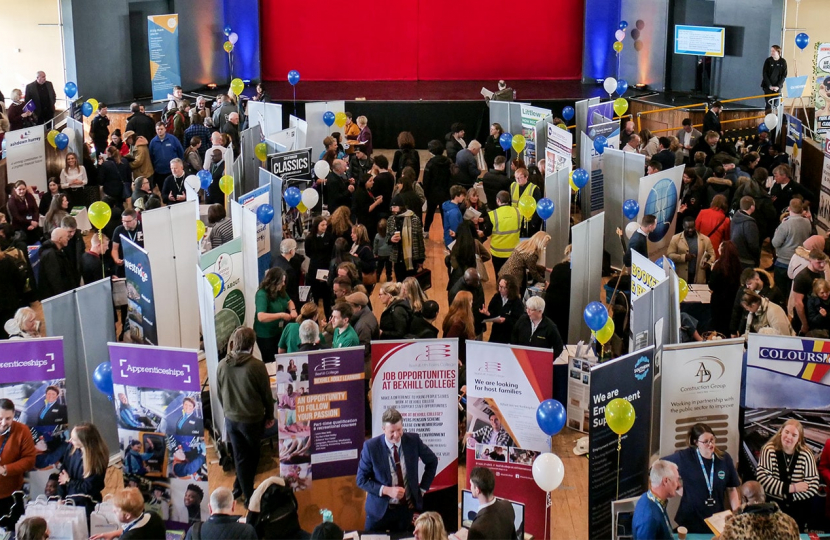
(579, 391)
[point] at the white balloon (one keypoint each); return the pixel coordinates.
(310, 197)
(631, 228)
(620, 35)
(68, 131)
(610, 85)
(233, 38)
(771, 121)
(548, 471)
(321, 169)
(193, 181)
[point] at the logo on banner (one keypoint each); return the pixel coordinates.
(434, 352)
(641, 368)
(136, 269)
(491, 367)
(703, 374)
(132, 369)
(327, 364)
(33, 363)
(819, 356)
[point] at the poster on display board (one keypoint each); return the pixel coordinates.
(794, 134)
(600, 121)
(293, 164)
(420, 380)
(614, 474)
(225, 262)
(141, 306)
(163, 42)
(558, 149)
(824, 199)
(659, 196)
(160, 418)
(644, 275)
(821, 98)
(320, 402)
(253, 200)
(579, 393)
(26, 156)
(32, 376)
(505, 385)
(529, 117)
(701, 383)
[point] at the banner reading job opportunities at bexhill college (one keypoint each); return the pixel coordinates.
(158, 408)
(141, 305)
(420, 379)
(614, 475)
(163, 42)
(509, 382)
(32, 376)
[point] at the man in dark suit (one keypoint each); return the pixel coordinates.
(52, 413)
(495, 180)
(639, 240)
(388, 473)
(711, 120)
(533, 329)
(42, 94)
(665, 156)
(495, 518)
(143, 125)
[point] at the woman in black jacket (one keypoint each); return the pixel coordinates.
(558, 294)
(492, 146)
(365, 205)
(397, 316)
(84, 466)
(318, 247)
(692, 196)
(115, 175)
(506, 307)
(362, 251)
(407, 156)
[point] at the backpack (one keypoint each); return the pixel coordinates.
(170, 118)
(277, 517)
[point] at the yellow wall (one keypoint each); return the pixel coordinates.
(26, 48)
(813, 16)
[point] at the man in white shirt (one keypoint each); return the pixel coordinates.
(688, 137)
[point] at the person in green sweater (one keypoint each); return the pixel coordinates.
(290, 339)
(344, 334)
(273, 310)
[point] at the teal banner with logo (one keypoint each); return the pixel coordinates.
(163, 42)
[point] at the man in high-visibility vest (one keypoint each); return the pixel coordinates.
(506, 222)
(519, 189)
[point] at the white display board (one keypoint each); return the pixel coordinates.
(699, 40)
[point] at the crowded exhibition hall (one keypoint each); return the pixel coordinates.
(413, 278)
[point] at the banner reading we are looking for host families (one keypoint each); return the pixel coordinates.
(158, 407)
(505, 385)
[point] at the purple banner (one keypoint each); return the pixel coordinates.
(31, 360)
(155, 367)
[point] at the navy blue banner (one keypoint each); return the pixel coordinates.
(141, 305)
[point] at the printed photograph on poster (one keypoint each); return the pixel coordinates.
(143, 453)
(190, 501)
(824, 199)
(188, 459)
(297, 476)
(822, 118)
(520, 456)
(485, 423)
(295, 450)
(289, 424)
(38, 404)
(491, 452)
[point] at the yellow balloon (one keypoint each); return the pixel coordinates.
(620, 416)
(216, 282)
(527, 206)
(620, 106)
(200, 230)
(340, 119)
(301, 208)
(237, 86)
(94, 103)
(519, 143)
(228, 46)
(605, 333)
(99, 214)
(562, 126)
(683, 288)
(261, 151)
(618, 46)
(571, 182)
(50, 137)
(226, 184)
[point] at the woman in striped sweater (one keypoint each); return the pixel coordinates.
(787, 471)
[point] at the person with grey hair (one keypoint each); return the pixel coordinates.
(231, 129)
(223, 523)
(651, 521)
(337, 191)
(57, 274)
(292, 266)
(467, 161)
(24, 325)
(173, 190)
(19, 117)
(533, 329)
(309, 336)
(42, 94)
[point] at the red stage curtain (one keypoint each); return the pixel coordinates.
(421, 39)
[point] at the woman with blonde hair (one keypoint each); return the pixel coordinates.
(363, 253)
(397, 314)
(525, 258)
(412, 292)
(430, 526)
(24, 325)
(74, 178)
(459, 322)
(787, 472)
(84, 466)
(341, 224)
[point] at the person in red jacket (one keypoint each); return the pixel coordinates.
(714, 221)
(17, 457)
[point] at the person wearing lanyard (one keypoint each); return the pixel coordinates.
(16, 459)
(709, 476)
(650, 520)
(173, 191)
(135, 522)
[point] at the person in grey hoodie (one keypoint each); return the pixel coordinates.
(745, 234)
(245, 396)
(792, 232)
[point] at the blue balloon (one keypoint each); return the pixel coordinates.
(595, 316)
(328, 118)
(802, 40)
(102, 378)
(265, 213)
(763, 127)
(600, 143)
(61, 141)
(227, 30)
(623, 25)
(205, 179)
(506, 141)
(292, 197)
(293, 77)
(568, 113)
(86, 109)
(544, 208)
(70, 89)
(659, 262)
(622, 86)
(580, 178)
(551, 417)
(630, 208)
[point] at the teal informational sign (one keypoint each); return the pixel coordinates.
(163, 42)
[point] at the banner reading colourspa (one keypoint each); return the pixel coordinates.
(701, 383)
(163, 42)
(141, 306)
(161, 432)
(614, 475)
(420, 379)
(787, 372)
(505, 385)
(32, 377)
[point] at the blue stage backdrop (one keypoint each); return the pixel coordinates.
(243, 18)
(602, 19)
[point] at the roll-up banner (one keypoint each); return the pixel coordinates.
(793, 137)
(821, 97)
(645, 275)
(659, 196)
(253, 200)
(701, 383)
(163, 42)
(505, 385)
(32, 376)
(141, 305)
(530, 116)
(158, 407)
(600, 122)
(420, 379)
(558, 149)
(225, 263)
(618, 474)
(26, 156)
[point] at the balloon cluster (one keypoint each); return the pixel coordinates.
(89, 107)
(619, 35)
(597, 319)
(548, 469)
(636, 33)
(306, 199)
(230, 43)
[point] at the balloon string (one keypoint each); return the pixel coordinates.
(101, 243)
(547, 514)
(619, 448)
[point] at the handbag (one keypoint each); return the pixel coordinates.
(369, 280)
(482, 270)
(424, 278)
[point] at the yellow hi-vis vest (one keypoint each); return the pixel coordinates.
(505, 237)
(530, 189)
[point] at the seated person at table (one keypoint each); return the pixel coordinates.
(758, 519)
(650, 520)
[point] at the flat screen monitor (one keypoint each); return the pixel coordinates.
(469, 509)
(699, 40)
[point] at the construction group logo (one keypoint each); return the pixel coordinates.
(704, 373)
